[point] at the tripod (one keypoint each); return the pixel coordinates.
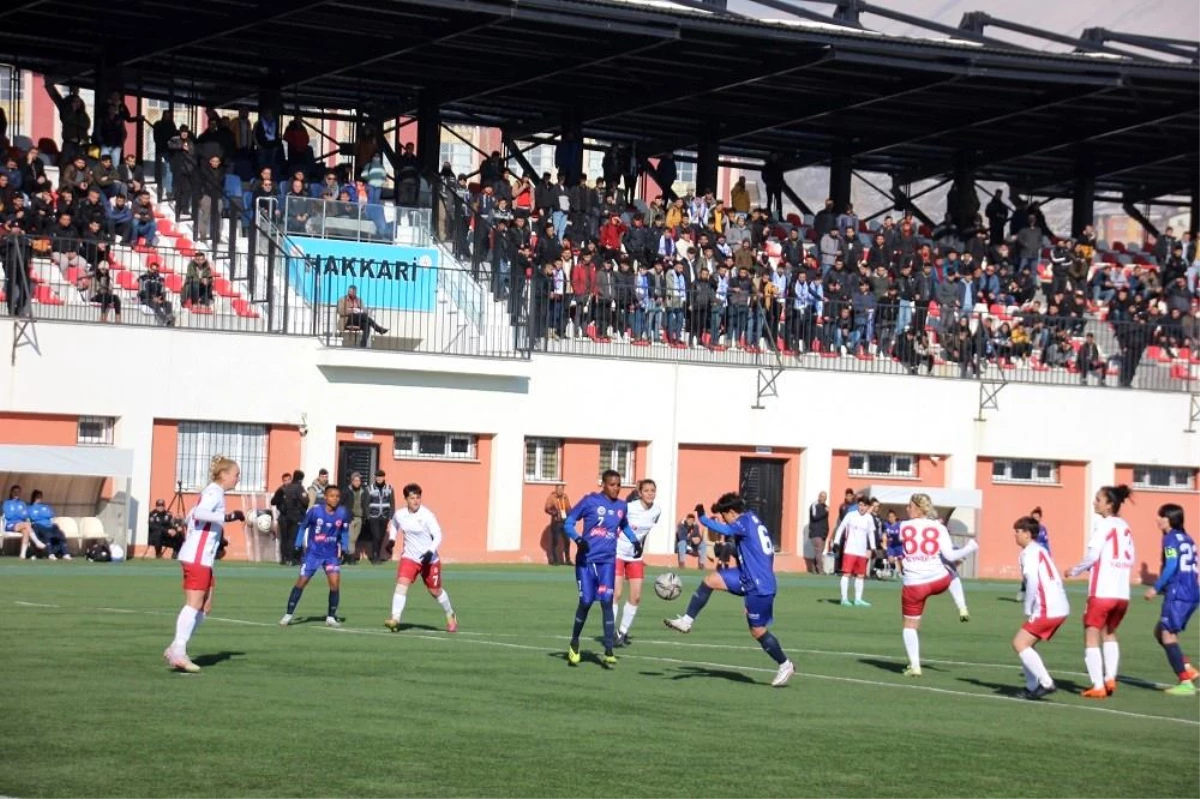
(176, 509)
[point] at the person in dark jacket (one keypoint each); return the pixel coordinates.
(212, 190)
(184, 168)
(293, 504)
(818, 531)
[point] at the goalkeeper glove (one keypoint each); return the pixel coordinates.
(236, 516)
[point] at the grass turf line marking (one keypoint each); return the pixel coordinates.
(36, 605)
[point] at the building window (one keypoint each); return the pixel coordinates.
(199, 442)
(458, 153)
(433, 446)
(95, 431)
(543, 460)
(1164, 478)
(618, 456)
(685, 176)
(1023, 471)
(883, 464)
(11, 87)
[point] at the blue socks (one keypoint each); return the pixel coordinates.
(334, 597)
(699, 600)
(581, 614)
(1175, 657)
(770, 645)
(294, 599)
(609, 623)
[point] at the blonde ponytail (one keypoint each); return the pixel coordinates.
(924, 504)
(218, 466)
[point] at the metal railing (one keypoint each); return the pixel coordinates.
(352, 221)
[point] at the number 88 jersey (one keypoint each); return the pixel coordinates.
(924, 542)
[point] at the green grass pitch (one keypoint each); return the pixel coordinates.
(88, 708)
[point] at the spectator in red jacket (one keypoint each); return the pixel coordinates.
(611, 234)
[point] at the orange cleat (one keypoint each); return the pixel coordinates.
(1110, 687)
(1190, 673)
(1095, 693)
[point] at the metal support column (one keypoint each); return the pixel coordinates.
(1084, 199)
(1194, 216)
(840, 174)
(572, 140)
(768, 378)
(989, 391)
(707, 161)
(429, 133)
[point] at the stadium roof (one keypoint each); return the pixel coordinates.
(664, 74)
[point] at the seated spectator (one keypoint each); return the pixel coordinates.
(75, 174)
(105, 177)
(65, 243)
(16, 520)
(353, 316)
(689, 540)
(197, 283)
(95, 245)
(166, 532)
(153, 295)
(33, 173)
(130, 172)
(41, 516)
(103, 293)
(296, 208)
(144, 225)
(120, 218)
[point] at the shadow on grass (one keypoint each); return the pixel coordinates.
(894, 666)
(1011, 599)
(586, 656)
(688, 672)
(217, 657)
(1014, 688)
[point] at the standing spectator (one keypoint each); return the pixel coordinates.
(317, 489)
(73, 116)
(184, 167)
(380, 505)
(818, 531)
(212, 191)
(772, 178)
(164, 531)
(293, 504)
(267, 139)
(163, 132)
(354, 499)
(558, 505)
(353, 316)
(1029, 243)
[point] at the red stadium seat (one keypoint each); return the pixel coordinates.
(43, 294)
(126, 280)
(173, 282)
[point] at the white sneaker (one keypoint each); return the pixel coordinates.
(786, 670)
(680, 624)
(52, 556)
(67, 556)
(330, 621)
(1020, 596)
(286, 620)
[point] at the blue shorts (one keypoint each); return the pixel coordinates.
(896, 551)
(595, 581)
(760, 608)
(1175, 615)
(10, 525)
(312, 565)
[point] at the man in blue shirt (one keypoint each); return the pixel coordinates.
(753, 579)
(1180, 593)
(327, 529)
(604, 516)
(41, 516)
(16, 520)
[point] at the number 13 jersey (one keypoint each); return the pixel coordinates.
(1111, 547)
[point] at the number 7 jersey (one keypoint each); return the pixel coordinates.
(926, 542)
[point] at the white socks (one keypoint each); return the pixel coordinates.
(185, 625)
(956, 593)
(1033, 664)
(1112, 656)
(444, 600)
(912, 645)
(398, 600)
(1031, 681)
(845, 586)
(200, 616)
(1095, 666)
(627, 615)
(858, 588)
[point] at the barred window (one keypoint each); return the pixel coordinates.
(1164, 478)
(1024, 471)
(618, 456)
(200, 441)
(883, 464)
(95, 431)
(543, 460)
(433, 446)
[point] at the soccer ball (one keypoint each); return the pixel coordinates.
(668, 586)
(263, 522)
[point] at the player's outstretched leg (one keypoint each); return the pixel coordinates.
(293, 601)
(713, 581)
(759, 614)
(960, 599)
(443, 599)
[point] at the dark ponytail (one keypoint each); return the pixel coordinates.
(1116, 496)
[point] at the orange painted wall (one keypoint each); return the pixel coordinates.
(928, 474)
(1141, 512)
(706, 471)
(39, 428)
(1063, 513)
(457, 491)
(581, 474)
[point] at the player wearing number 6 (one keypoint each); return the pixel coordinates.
(422, 536)
(926, 542)
(1110, 558)
(1180, 594)
(753, 579)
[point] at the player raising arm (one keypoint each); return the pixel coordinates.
(1110, 558)
(1045, 606)
(643, 514)
(323, 537)
(1180, 594)
(926, 542)
(422, 536)
(753, 579)
(205, 526)
(856, 534)
(604, 517)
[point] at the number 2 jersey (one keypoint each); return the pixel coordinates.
(326, 531)
(1177, 582)
(641, 521)
(925, 543)
(1110, 557)
(755, 551)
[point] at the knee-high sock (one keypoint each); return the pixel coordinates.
(1031, 681)
(606, 608)
(185, 623)
(1112, 658)
(1032, 662)
(858, 588)
(845, 587)
(294, 599)
(200, 617)
(1176, 659)
(956, 593)
(398, 600)
(627, 615)
(581, 614)
(912, 645)
(770, 645)
(698, 601)
(335, 596)
(444, 600)
(1095, 666)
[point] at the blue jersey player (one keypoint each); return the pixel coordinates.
(604, 517)
(1180, 593)
(753, 579)
(327, 529)
(891, 537)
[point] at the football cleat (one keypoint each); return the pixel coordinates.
(964, 615)
(846, 603)
(621, 640)
(1190, 673)
(609, 660)
(286, 620)
(1042, 691)
(1185, 688)
(572, 656)
(912, 671)
(1110, 687)
(861, 603)
(680, 624)
(180, 662)
(1095, 693)
(392, 624)
(451, 623)
(786, 670)
(330, 621)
